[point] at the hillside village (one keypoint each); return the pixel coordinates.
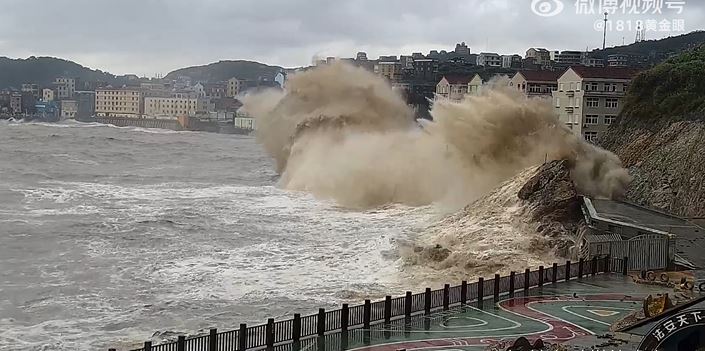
(586, 88)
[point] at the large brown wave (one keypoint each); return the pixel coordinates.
(343, 133)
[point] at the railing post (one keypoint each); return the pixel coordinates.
(581, 263)
(296, 328)
(512, 275)
(344, 317)
(242, 336)
(463, 292)
(567, 270)
(496, 287)
(541, 273)
(446, 297)
(427, 302)
(269, 334)
(554, 278)
(527, 281)
(366, 314)
(625, 266)
(480, 290)
(594, 265)
(407, 305)
(147, 346)
(387, 309)
(180, 343)
(321, 321)
(213, 339)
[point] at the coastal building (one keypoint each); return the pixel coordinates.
(588, 99)
(16, 102)
(511, 61)
(31, 88)
(425, 70)
(86, 104)
(389, 69)
(535, 83)
(178, 104)
(462, 49)
(235, 87)
(540, 56)
(569, 58)
(475, 84)
(119, 102)
(69, 108)
(489, 59)
(65, 87)
(48, 94)
(453, 87)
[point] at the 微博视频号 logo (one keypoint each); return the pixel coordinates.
(546, 8)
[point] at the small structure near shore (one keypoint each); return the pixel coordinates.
(651, 239)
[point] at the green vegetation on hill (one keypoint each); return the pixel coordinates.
(43, 71)
(224, 70)
(674, 88)
(660, 135)
(649, 48)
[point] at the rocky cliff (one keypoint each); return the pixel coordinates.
(660, 135)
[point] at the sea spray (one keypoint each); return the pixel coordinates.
(343, 133)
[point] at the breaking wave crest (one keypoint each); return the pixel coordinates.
(343, 133)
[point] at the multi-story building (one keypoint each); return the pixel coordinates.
(425, 70)
(593, 62)
(361, 56)
(390, 70)
(31, 88)
(48, 94)
(120, 102)
(535, 83)
(511, 61)
(453, 87)
(475, 84)
(178, 104)
(69, 108)
(462, 49)
(65, 87)
(588, 99)
(16, 102)
(569, 58)
(86, 104)
(489, 59)
(541, 56)
(235, 87)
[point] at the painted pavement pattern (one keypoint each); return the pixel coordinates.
(554, 313)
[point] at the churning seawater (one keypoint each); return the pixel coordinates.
(109, 235)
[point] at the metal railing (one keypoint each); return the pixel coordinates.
(390, 311)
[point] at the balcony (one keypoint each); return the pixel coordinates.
(604, 93)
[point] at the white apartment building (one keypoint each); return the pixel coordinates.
(489, 59)
(453, 87)
(588, 99)
(119, 102)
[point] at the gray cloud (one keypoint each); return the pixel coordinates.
(150, 36)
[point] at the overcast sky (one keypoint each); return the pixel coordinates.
(156, 36)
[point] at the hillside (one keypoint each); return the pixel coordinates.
(43, 71)
(656, 50)
(660, 135)
(224, 70)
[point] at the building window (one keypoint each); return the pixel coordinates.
(590, 136)
(592, 102)
(558, 102)
(593, 86)
(609, 119)
(592, 119)
(611, 103)
(560, 87)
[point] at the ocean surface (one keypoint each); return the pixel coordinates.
(112, 236)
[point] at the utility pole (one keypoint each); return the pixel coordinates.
(604, 32)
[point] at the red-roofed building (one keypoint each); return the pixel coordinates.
(535, 83)
(453, 87)
(588, 99)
